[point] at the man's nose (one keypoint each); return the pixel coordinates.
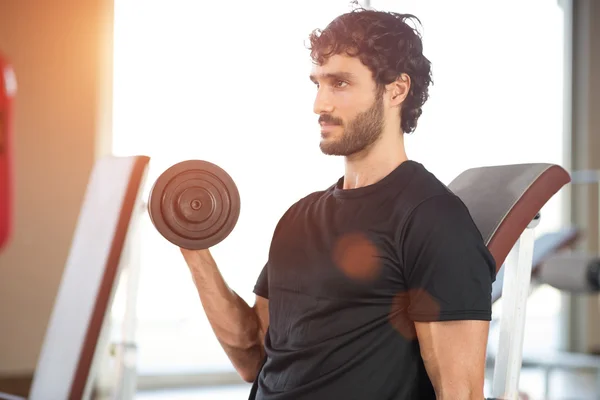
(323, 103)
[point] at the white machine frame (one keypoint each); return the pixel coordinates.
(515, 292)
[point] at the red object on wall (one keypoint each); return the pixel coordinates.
(8, 91)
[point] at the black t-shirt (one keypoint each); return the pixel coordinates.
(347, 274)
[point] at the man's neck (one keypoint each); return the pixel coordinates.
(374, 163)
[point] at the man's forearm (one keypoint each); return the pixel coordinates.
(459, 391)
(234, 322)
(451, 384)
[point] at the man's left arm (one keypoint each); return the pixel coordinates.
(449, 272)
(454, 355)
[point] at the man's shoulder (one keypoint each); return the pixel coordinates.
(441, 207)
(422, 187)
(309, 200)
(301, 205)
(434, 202)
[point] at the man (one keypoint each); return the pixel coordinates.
(378, 287)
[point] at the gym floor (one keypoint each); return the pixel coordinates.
(564, 386)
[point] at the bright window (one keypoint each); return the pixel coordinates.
(497, 99)
(228, 82)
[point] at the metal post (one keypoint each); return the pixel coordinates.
(515, 291)
(126, 350)
(547, 382)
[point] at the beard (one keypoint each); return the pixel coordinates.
(359, 134)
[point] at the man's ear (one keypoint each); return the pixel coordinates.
(399, 89)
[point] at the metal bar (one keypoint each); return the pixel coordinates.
(598, 383)
(126, 350)
(585, 177)
(515, 292)
(547, 382)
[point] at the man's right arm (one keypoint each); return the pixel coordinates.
(239, 328)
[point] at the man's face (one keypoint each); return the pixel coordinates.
(350, 109)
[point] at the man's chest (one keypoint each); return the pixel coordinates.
(325, 255)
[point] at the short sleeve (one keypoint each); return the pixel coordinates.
(447, 267)
(261, 288)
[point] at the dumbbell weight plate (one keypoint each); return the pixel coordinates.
(194, 204)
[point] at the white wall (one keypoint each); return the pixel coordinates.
(59, 52)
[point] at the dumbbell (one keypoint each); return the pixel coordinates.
(194, 204)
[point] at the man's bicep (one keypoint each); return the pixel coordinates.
(447, 267)
(454, 354)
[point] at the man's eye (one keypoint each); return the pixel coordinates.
(341, 84)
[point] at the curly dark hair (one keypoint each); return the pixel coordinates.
(387, 45)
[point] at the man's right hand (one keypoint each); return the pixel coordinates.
(197, 258)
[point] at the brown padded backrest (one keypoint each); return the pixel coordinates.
(504, 199)
(89, 278)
